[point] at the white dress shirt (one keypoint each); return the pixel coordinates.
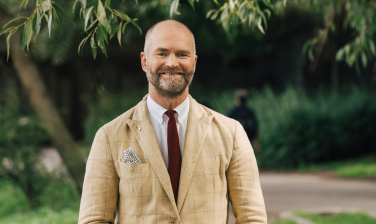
(159, 121)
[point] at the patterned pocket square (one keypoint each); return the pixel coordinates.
(130, 157)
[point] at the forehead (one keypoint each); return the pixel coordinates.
(171, 37)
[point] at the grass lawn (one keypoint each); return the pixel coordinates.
(362, 168)
(43, 215)
(341, 218)
(59, 205)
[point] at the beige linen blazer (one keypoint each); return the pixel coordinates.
(218, 166)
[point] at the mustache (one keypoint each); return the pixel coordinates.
(176, 70)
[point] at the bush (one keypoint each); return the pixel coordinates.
(296, 128)
(21, 135)
(106, 107)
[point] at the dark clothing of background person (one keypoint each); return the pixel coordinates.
(246, 118)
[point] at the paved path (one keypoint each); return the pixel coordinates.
(305, 191)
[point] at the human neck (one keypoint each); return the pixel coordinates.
(166, 102)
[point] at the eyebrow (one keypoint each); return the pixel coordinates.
(161, 49)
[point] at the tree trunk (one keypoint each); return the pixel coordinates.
(32, 82)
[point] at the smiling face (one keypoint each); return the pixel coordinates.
(169, 60)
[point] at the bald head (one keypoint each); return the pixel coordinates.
(166, 26)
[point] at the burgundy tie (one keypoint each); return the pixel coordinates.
(174, 157)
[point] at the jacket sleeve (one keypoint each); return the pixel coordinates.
(100, 189)
(244, 183)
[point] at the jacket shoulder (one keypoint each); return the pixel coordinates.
(218, 118)
(121, 120)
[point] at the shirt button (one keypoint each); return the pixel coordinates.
(160, 120)
(179, 119)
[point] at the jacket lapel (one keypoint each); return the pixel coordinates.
(197, 127)
(141, 127)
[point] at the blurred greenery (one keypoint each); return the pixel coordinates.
(364, 167)
(358, 171)
(21, 136)
(59, 204)
(296, 128)
(284, 221)
(341, 218)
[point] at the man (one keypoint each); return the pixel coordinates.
(170, 159)
(246, 118)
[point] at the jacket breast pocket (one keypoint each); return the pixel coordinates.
(135, 184)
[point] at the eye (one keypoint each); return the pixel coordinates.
(182, 55)
(162, 54)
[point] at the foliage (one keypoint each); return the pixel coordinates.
(296, 128)
(284, 221)
(106, 107)
(44, 215)
(359, 17)
(341, 218)
(12, 199)
(58, 199)
(358, 171)
(20, 139)
(103, 18)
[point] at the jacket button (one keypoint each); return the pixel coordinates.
(176, 221)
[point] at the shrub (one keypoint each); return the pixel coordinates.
(21, 135)
(296, 128)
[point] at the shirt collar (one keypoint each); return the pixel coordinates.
(157, 110)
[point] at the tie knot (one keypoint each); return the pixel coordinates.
(170, 113)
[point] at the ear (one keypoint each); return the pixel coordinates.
(194, 63)
(143, 61)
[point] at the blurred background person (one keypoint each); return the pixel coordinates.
(246, 117)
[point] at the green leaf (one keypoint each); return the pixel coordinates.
(65, 13)
(372, 47)
(135, 24)
(49, 24)
(92, 24)
(364, 59)
(27, 1)
(8, 41)
(259, 25)
(191, 2)
(119, 33)
(93, 47)
(95, 4)
(82, 44)
(105, 23)
(23, 39)
(174, 7)
(209, 13)
(101, 44)
(100, 11)
(45, 6)
(74, 6)
(122, 15)
(83, 2)
(58, 18)
(102, 32)
(13, 21)
(114, 25)
(5, 30)
(8, 45)
(21, 5)
(108, 3)
(87, 17)
(29, 32)
(125, 24)
(37, 20)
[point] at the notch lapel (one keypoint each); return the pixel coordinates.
(148, 142)
(197, 128)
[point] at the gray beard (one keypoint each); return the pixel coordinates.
(169, 87)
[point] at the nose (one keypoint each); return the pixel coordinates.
(171, 61)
